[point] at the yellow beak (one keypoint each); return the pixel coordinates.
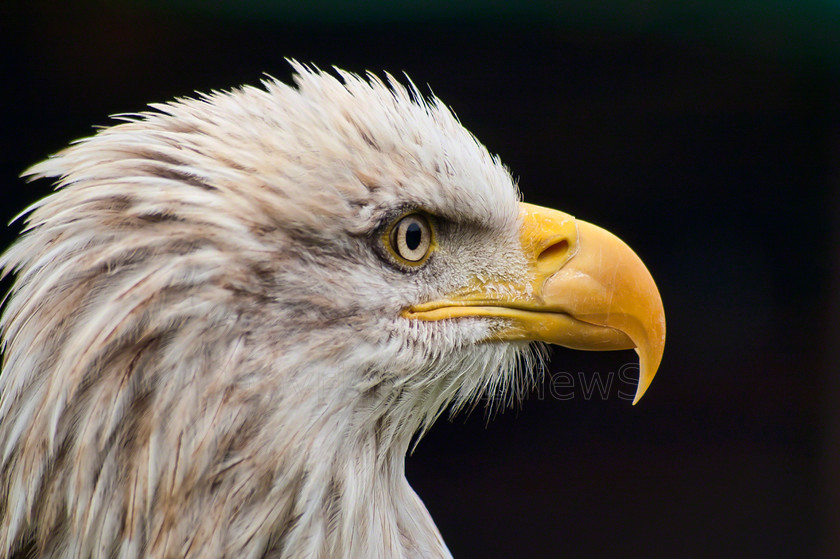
(587, 290)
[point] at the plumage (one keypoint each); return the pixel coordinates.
(212, 349)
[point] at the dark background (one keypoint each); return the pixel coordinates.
(705, 134)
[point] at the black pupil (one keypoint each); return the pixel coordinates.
(413, 236)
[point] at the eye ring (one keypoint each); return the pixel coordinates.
(410, 239)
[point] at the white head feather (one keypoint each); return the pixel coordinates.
(204, 353)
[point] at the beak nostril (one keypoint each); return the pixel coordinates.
(554, 251)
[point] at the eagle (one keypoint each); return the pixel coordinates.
(238, 312)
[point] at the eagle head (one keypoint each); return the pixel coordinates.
(236, 311)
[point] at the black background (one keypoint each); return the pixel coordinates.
(716, 160)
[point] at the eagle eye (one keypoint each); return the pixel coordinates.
(410, 239)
